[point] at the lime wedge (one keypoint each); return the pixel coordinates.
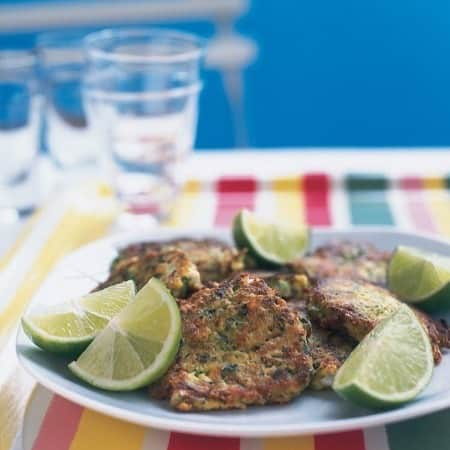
(390, 366)
(137, 346)
(70, 327)
(269, 243)
(420, 278)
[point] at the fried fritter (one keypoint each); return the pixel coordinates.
(356, 307)
(171, 266)
(241, 346)
(329, 349)
(353, 260)
(287, 285)
(214, 259)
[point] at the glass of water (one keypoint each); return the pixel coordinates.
(141, 92)
(66, 134)
(19, 128)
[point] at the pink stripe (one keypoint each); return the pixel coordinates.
(316, 187)
(59, 425)
(418, 210)
(234, 194)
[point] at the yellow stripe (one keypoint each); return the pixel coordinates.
(7, 257)
(73, 230)
(184, 207)
(100, 432)
(14, 394)
(289, 204)
(289, 443)
(439, 201)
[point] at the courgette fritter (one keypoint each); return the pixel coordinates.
(329, 349)
(171, 266)
(241, 346)
(352, 260)
(356, 307)
(214, 259)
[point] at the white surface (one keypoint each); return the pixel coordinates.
(52, 15)
(312, 412)
(281, 162)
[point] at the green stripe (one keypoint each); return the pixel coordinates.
(368, 201)
(447, 181)
(366, 183)
(430, 432)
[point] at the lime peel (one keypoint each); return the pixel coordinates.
(68, 328)
(269, 243)
(152, 343)
(390, 366)
(420, 278)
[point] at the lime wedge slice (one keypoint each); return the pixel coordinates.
(269, 243)
(70, 327)
(390, 366)
(137, 346)
(420, 278)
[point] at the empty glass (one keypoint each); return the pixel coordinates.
(141, 93)
(19, 128)
(66, 134)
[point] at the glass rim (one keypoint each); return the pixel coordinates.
(184, 91)
(93, 41)
(17, 59)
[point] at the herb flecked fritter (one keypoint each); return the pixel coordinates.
(352, 260)
(241, 346)
(356, 307)
(171, 266)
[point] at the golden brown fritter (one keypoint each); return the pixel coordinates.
(241, 346)
(171, 266)
(356, 307)
(214, 259)
(353, 260)
(287, 285)
(329, 349)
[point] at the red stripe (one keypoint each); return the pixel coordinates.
(349, 440)
(418, 210)
(236, 184)
(316, 189)
(180, 441)
(234, 194)
(59, 425)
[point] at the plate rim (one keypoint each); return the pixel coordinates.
(246, 429)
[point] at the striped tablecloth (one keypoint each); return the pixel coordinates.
(411, 203)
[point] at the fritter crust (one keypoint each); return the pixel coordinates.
(329, 349)
(241, 346)
(353, 260)
(171, 266)
(290, 286)
(356, 307)
(214, 259)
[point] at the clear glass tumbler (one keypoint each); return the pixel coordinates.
(19, 129)
(141, 92)
(66, 134)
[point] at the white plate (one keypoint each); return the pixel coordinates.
(312, 412)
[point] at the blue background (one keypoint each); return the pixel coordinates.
(335, 73)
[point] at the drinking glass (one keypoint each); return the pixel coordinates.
(141, 90)
(66, 134)
(19, 128)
